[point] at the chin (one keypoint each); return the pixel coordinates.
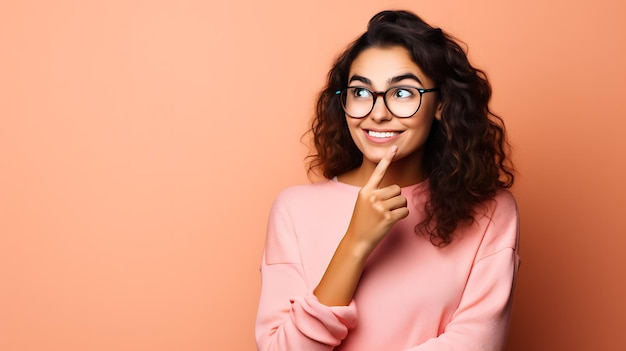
(375, 157)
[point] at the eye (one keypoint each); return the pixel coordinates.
(402, 93)
(361, 93)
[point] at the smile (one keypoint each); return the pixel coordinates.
(381, 134)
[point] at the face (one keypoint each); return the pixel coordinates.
(379, 69)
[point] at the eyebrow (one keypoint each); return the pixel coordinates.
(405, 76)
(360, 79)
(395, 79)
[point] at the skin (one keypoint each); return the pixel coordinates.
(379, 67)
(387, 166)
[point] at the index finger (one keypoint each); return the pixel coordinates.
(379, 172)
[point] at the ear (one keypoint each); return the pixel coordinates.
(438, 111)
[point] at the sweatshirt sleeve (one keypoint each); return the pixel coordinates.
(482, 317)
(289, 316)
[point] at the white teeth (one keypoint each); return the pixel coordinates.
(381, 134)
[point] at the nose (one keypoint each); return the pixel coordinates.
(380, 112)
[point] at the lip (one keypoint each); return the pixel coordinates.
(378, 140)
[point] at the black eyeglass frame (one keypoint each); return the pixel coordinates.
(377, 94)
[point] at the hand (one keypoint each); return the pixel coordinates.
(377, 209)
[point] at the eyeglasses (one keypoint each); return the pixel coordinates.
(401, 101)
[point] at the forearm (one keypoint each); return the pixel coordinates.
(291, 318)
(337, 286)
(375, 212)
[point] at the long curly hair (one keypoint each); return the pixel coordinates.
(465, 155)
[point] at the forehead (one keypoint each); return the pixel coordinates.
(381, 64)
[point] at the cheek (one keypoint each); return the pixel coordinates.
(352, 127)
(420, 131)
(421, 125)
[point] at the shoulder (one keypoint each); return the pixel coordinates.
(500, 224)
(503, 208)
(302, 189)
(504, 201)
(315, 193)
(302, 214)
(311, 205)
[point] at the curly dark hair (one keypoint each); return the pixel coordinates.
(465, 155)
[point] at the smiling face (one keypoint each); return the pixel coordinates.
(378, 69)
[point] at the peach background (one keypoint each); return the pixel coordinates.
(142, 142)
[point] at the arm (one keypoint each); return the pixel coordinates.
(293, 317)
(481, 320)
(375, 212)
(289, 316)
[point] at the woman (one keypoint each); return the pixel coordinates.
(411, 242)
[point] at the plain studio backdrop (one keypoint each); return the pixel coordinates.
(142, 143)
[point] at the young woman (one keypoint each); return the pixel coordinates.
(411, 242)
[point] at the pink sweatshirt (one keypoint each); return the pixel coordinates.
(412, 295)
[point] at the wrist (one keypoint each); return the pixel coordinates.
(357, 248)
